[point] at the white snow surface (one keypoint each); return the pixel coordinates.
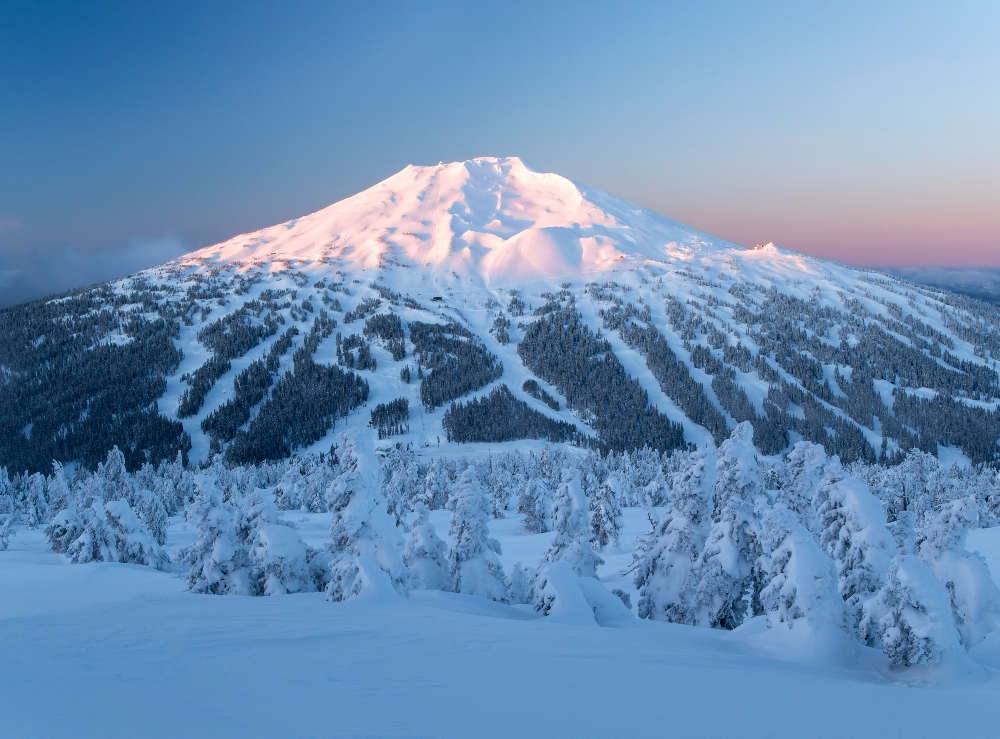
(496, 220)
(457, 241)
(103, 649)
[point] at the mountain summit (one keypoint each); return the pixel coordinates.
(473, 305)
(495, 220)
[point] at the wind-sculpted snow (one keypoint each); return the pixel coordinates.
(443, 284)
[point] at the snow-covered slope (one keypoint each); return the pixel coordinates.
(505, 258)
(104, 649)
(492, 222)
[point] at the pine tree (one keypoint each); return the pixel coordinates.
(606, 522)
(280, 563)
(800, 579)
(975, 598)
(435, 491)
(289, 493)
(669, 553)
(34, 502)
(535, 503)
(910, 615)
(57, 492)
(111, 532)
(571, 522)
(8, 504)
(854, 534)
(401, 483)
(6, 532)
(521, 579)
(426, 555)
(363, 535)
(914, 485)
(724, 571)
(800, 474)
(218, 562)
(473, 556)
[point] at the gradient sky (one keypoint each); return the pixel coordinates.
(130, 132)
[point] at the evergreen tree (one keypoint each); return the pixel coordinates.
(571, 522)
(800, 475)
(606, 521)
(669, 553)
(34, 503)
(800, 589)
(535, 503)
(435, 490)
(363, 535)
(111, 532)
(854, 534)
(474, 560)
(724, 572)
(975, 598)
(910, 615)
(426, 555)
(6, 532)
(218, 562)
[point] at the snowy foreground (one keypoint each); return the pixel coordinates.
(108, 649)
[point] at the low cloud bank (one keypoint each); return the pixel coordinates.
(979, 282)
(25, 277)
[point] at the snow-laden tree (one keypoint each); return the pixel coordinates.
(800, 474)
(670, 551)
(289, 493)
(64, 528)
(174, 484)
(521, 581)
(910, 615)
(114, 476)
(536, 504)
(34, 501)
(473, 556)
(401, 483)
(363, 536)
(426, 555)
(571, 523)
(434, 494)
(724, 571)
(853, 532)
(800, 579)
(280, 563)
(606, 519)
(57, 490)
(904, 532)
(218, 562)
(6, 532)
(917, 485)
(150, 509)
(499, 482)
(8, 504)
(112, 532)
(975, 598)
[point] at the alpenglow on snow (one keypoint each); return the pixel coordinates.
(487, 302)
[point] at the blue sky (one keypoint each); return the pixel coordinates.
(865, 132)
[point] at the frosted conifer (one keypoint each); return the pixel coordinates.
(475, 566)
(571, 522)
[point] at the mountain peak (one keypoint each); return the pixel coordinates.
(495, 220)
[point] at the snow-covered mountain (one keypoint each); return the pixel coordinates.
(484, 302)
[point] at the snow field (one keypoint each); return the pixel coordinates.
(103, 649)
